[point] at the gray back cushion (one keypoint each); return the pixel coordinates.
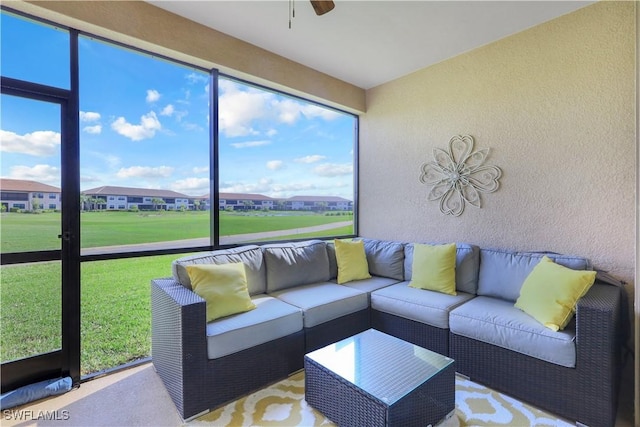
(333, 262)
(502, 273)
(250, 255)
(295, 264)
(467, 261)
(385, 258)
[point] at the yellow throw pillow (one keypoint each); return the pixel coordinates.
(223, 287)
(550, 292)
(352, 261)
(434, 268)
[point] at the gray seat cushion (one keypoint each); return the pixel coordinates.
(322, 302)
(270, 320)
(421, 305)
(250, 255)
(295, 264)
(502, 273)
(370, 285)
(498, 322)
(467, 264)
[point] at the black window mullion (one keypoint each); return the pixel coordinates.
(70, 178)
(214, 194)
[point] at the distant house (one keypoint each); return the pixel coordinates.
(248, 201)
(124, 198)
(315, 203)
(29, 195)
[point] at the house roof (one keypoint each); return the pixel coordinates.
(249, 196)
(317, 199)
(23, 185)
(245, 196)
(108, 190)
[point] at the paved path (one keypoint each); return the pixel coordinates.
(204, 241)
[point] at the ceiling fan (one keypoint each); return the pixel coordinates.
(319, 6)
(322, 6)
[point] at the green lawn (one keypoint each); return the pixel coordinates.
(30, 297)
(115, 311)
(26, 232)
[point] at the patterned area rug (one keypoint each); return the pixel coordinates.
(283, 404)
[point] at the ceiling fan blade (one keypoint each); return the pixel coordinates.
(322, 6)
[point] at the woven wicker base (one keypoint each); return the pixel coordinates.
(392, 382)
(426, 336)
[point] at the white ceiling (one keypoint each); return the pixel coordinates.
(368, 43)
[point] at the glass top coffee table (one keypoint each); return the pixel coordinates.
(375, 379)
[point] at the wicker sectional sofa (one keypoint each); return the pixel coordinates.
(300, 307)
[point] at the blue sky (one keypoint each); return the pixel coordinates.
(145, 122)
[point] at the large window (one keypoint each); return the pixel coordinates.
(144, 151)
(136, 167)
(286, 166)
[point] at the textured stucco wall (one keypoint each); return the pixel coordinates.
(556, 106)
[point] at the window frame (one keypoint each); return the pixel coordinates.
(72, 177)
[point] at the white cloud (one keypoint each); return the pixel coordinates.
(94, 130)
(294, 187)
(271, 132)
(145, 172)
(167, 111)
(270, 188)
(180, 114)
(263, 186)
(195, 186)
(152, 95)
(333, 169)
(197, 78)
(310, 159)
(89, 179)
(187, 97)
(89, 116)
(239, 108)
(275, 164)
(250, 144)
(41, 173)
(40, 143)
(191, 126)
(311, 110)
(289, 111)
(112, 161)
(201, 169)
(147, 128)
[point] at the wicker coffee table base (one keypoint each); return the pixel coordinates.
(348, 405)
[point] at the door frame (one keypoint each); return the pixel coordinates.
(65, 361)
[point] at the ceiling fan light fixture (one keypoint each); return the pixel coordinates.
(322, 6)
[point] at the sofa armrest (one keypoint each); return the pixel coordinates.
(598, 343)
(178, 343)
(598, 322)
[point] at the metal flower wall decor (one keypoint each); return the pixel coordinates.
(458, 176)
